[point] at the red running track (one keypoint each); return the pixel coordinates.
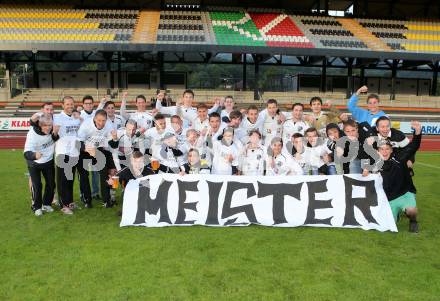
(16, 141)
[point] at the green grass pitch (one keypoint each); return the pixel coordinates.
(88, 257)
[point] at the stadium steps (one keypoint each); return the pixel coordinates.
(41, 95)
(146, 27)
(364, 35)
(55, 95)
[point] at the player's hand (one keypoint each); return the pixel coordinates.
(38, 155)
(339, 152)
(365, 173)
(209, 133)
(370, 140)
(91, 150)
(217, 101)
(79, 108)
(230, 158)
(35, 117)
(363, 89)
(417, 126)
(204, 131)
(328, 102)
(110, 181)
(124, 95)
(182, 173)
(114, 135)
(55, 129)
(142, 130)
(154, 111)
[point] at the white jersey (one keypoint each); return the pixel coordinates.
(291, 127)
(66, 144)
(92, 136)
(166, 157)
(43, 144)
(125, 147)
(199, 125)
(252, 161)
(126, 143)
(218, 133)
(144, 120)
(282, 166)
(117, 122)
(297, 157)
(240, 134)
(314, 155)
(224, 114)
(248, 126)
(86, 116)
(188, 113)
(272, 128)
(201, 147)
(153, 138)
(220, 163)
(181, 137)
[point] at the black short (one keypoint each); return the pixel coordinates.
(323, 169)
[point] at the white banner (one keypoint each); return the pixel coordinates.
(428, 128)
(15, 124)
(349, 201)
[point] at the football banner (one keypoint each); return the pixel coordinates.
(15, 124)
(428, 128)
(348, 201)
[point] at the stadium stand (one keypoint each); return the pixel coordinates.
(186, 27)
(327, 32)
(364, 35)
(255, 28)
(413, 35)
(66, 25)
(222, 26)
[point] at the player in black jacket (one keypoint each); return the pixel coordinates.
(397, 180)
(397, 138)
(358, 135)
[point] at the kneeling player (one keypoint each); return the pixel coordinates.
(279, 165)
(225, 153)
(397, 180)
(194, 164)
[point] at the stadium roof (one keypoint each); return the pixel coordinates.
(213, 49)
(365, 8)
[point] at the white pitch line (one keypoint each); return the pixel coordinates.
(427, 165)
